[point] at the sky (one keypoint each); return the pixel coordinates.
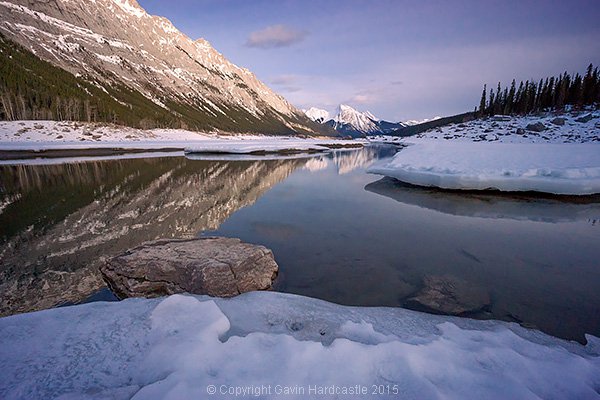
(398, 59)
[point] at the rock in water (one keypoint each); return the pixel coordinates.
(449, 295)
(214, 266)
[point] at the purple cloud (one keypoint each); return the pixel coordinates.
(275, 36)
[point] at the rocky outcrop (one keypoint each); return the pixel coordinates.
(214, 266)
(558, 121)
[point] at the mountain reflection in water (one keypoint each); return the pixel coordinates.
(337, 233)
(60, 222)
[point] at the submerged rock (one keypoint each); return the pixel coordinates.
(215, 266)
(449, 295)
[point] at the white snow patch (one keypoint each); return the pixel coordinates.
(49, 135)
(110, 59)
(317, 114)
(130, 8)
(420, 121)
(266, 144)
(577, 127)
(176, 347)
(543, 167)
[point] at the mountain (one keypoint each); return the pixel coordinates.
(117, 63)
(317, 114)
(412, 122)
(350, 122)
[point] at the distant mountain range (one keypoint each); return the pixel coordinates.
(350, 122)
(109, 60)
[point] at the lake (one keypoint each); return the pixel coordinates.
(337, 233)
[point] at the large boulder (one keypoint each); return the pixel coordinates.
(215, 266)
(537, 127)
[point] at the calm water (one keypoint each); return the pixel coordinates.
(337, 233)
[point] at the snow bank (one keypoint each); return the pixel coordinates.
(542, 167)
(275, 345)
(578, 127)
(267, 145)
(40, 135)
(68, 135)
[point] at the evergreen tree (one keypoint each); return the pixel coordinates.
(588, 86)
(510, 99)
(482, 103)
(490, 109)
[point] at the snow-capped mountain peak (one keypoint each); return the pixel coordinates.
(351, 122)
(362, 122)
(317, 114)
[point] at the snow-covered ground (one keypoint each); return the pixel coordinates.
(274, 345)
(266, 144)
(64, 134)
(68, 135)
(553, 154)
(551, 168)
(581, 127)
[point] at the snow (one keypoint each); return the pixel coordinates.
(317, 114)
(542, 167)
(269, 145)
(54, 135)
(262, 343)
(132, 9)
(362, 122)
(577, 128)
(232, 156)
(420, 121)
(505, 153)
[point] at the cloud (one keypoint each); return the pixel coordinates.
(275, 36)
(367, 96)
(284, 80)
(287, 83)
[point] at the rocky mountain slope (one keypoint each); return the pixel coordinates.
(136, 60)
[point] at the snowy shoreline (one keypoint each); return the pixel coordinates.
(178, 346)
(562, 169)
(550, 154)
(48, 136)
